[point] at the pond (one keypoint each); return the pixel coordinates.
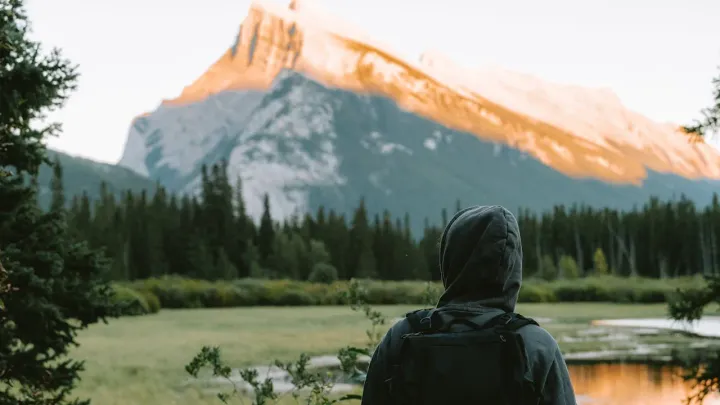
(598, 384)
(629, 384)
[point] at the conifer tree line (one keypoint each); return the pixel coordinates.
(212, 237)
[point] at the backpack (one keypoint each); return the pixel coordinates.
(483, 366)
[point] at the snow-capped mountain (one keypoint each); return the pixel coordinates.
(313, 111)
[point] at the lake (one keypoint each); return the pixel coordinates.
(629, 384)
(598, 384)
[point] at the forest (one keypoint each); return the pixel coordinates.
(156, 233)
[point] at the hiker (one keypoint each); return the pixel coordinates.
(471, 348)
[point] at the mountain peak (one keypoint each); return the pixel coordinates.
(303, 5)
(581, 132)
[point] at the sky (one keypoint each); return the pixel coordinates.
(658, 56)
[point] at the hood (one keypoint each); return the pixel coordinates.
(481, 258)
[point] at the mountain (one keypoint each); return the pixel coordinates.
(312, 111)
(85, 175)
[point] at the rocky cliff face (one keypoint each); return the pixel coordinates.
(312, 111)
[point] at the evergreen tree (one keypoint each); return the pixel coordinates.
(56, 187)
(318, 254)
(244, 231)
(252, 257)
(361, 262)
(51, 284)
(702, 369)
(337, 241)
(710, 121)
(266, 233)
(284, 260)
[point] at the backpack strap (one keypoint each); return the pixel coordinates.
(419, 321)
(428, 321)
(511, 322)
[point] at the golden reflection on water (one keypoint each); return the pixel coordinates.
(629, 384)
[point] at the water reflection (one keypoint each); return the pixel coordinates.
(629, 384)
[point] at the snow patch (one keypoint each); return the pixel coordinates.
(375, 140)
(286, 147)
(178, 137)
(430, 143)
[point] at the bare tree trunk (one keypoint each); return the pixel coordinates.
(560, 275)
(663, 266)
(713, 251)
(612, 253)
(538, 253)
(633, 258)
(704, 251)
(579, 252)
(623, 250)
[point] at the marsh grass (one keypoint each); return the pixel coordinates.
(141, 360)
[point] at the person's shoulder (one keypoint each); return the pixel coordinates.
(399, 326)
(538, 340)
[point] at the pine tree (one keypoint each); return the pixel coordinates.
(284, 261)
(52, 284)
(56, 187)
(703, 370)
(361, 262)
(266, 233)
(710, 121)
(337, 240)
(244, 231)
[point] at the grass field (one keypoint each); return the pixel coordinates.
(140, 360)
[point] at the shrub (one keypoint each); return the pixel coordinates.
(323, 273)
(568, 267)
(549, 270)
(132, 302)
(176, 292)
(536, 292)
(600, 265)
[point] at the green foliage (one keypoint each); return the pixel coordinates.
(323, 273)
(702, 368)
(133, 302)
(568, 267)
(549, 270)
(51, 284)
(266, 233)
(177, 292)
(600, 265)
(155, 233)
(710, 120)
(84, 175)
(318, 384)
(318, 254)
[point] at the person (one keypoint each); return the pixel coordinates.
(471, 348)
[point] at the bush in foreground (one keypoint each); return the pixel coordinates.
(176, 292)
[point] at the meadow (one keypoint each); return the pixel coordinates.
(140, 360)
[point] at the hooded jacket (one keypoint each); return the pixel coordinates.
(481, 270)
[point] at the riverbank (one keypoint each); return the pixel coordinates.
(151, 295)
(140, 360)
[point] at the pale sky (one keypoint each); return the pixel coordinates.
(659, 56)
